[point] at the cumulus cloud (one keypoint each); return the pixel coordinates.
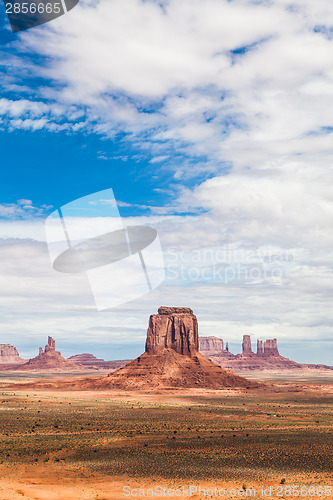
(148, 49)
(290, 207)
(22, 209)
(238, 82)
(237, 92)
(232, 288)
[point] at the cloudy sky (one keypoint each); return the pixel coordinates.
(212, 121)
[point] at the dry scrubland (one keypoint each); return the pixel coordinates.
(88, 445)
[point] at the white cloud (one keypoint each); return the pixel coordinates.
(168, 77)
(36, 300)
(23, 209)
(293, 206)
(114, 61)
(244, 85)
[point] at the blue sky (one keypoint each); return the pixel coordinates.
(212, 122)
(53, 169)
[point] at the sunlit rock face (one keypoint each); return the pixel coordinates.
(173, 328)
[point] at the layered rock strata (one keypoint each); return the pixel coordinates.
(9, 355)
(173, 328)
(267, 357)
(171, 358)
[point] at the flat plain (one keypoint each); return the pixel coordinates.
(88, 445)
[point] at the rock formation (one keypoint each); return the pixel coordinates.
(85, 358)
(9, 355)
(270, 348)
(260, 350)
(266, 358)
(246, 345)
(50, 346)
(211, 344)
(173, 328)
(49, 360)
(91, 362)
(171, 358)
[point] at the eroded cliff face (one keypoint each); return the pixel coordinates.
(270, 348)
(9, 354)
(211, 344)
(172, 359)
(8, 350)
(173, 328)
(246, 345)
(267, 357)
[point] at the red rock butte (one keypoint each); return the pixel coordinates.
(267, 356)
(172, 357)
(49, 359)
(9, 355)
(173, 328)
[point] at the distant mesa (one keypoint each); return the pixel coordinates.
(171, 358)
(91, 362)
(85, 358)
(267, 356)
(9, 355)
(49, 359)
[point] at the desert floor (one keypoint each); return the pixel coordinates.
(89, 445)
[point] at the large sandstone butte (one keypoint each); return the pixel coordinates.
(171, 358)
(49, 359)
(9, 355)
(173, 328)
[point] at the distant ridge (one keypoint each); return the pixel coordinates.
(90, 361)
(267, 357)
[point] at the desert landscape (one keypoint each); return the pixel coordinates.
(170, 423)
(166, 263)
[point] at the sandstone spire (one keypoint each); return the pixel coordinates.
(50, 346)
(246, 345)
(260, 350)
(49, 359)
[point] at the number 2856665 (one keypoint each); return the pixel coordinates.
(33, 8)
